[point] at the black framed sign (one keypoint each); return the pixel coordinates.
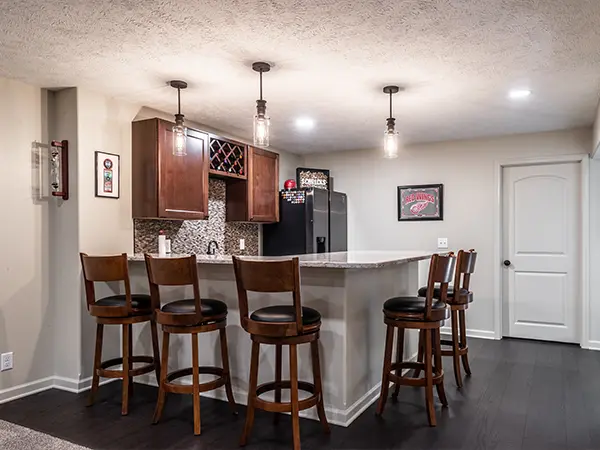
(421, 202)
(108, 175)
(312, 178)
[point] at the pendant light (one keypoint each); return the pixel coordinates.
(261, 120)
(179, 130)
(390, 142)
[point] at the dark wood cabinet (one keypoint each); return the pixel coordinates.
(163, 185)
(257, 198)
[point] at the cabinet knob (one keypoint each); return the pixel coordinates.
(507, 263)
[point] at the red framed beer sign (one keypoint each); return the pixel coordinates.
(421, 202)
(108, 175)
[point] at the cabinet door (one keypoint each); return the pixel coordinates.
(263, 185)
(183, 180)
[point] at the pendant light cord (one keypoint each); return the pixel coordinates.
(261, 72)
(390, 104)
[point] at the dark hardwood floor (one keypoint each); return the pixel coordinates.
(522, 395)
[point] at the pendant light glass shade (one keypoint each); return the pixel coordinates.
(261, 127)
(390, 144)
(262, 122)
(179, 139)
(179, 130)
(390, 140)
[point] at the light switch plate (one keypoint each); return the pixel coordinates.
(442, 242)
(242, 244)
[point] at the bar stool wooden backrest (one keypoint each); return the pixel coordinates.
(441, 269)
(106, 269)
(465, 266)
(174, 272)
(268, 277)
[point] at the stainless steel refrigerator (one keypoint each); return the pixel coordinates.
(310, 221)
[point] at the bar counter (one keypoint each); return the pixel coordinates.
(347, 288)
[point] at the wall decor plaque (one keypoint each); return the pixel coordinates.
(421, 202)
(312, 178)
(108, 175)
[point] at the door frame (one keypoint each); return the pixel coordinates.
(584, 282)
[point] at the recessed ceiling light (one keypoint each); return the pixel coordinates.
(305, 123)
(517, 94)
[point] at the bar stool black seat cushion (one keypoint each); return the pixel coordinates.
(437, 293)
(210, 307)
(285, 313)
(138, 301)
(412, 305)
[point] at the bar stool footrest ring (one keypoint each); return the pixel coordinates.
(177, 388)
(270, 406)
(104, 372)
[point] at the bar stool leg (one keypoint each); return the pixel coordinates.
(155, 351)
(429, 380)
(196, 383)
(417, 372)
(97, 363)
(294, 395)
(251, 393)
(399, 359)
(225, 358)
(456, 349)
(164, 369)
(278, 364)
(438, 365)
(130, 367)
(387, 362)
(316, 363)
(463, 341)
(125, 393)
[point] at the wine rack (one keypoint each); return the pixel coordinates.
(227, 158)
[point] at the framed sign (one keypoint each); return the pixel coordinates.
(312, 178)
(108, 175)
(421, 202)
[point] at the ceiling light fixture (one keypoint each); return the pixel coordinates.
(261, 120)
(305, 123)
(517, 94)
(179, 130)
(390, 143)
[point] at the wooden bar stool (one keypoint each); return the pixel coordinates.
(123, 309)
(465, 266)
(423, 314)
(279, 325)
(190, 316)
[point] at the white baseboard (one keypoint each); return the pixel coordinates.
(481, 334)
(23, 390)
(593, 345)
(43, 384)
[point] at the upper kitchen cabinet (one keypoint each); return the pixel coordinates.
(257, 198)
(164, 185)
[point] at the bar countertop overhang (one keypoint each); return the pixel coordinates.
(358, 259)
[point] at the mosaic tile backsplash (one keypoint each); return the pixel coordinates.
(193, 236)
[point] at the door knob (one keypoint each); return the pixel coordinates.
(507, 263)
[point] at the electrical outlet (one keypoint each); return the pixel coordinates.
(242, 244)
(442, 242)
(6, 361)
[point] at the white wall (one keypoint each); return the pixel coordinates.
(466, 168)
(25, 308)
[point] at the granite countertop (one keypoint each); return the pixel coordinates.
(338, 260)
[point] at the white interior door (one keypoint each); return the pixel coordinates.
(541, 236)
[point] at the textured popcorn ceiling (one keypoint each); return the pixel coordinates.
(457, 59)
